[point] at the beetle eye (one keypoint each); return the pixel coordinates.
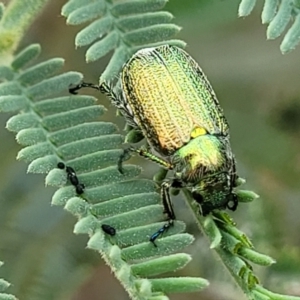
(198, 197)
(232, 203)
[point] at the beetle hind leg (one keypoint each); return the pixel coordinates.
(74, 89)
(168, 209)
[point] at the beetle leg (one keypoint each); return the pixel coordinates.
(144, 153)
(74, 89)
(148, 155)
(168, 209)
(159, 232)
(124, 156)
(118, 101)
(166, 200)
(107, 90)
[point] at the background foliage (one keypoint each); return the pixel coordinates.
(259, 91)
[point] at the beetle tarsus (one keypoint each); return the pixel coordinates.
(74, 89)
(123, 157)
(160, 232)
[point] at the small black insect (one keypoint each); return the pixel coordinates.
(61, 165)
(79, 188)
(71, 174)
(108, 229)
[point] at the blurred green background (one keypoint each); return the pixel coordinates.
(259, 90)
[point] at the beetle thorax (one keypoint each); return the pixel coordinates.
(201, 157)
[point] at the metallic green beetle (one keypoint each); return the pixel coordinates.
(165, 94)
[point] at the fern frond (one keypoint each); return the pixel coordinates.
(4, 285)
(54, 128)
(122, 27)
(278, 14)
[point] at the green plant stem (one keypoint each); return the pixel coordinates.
(275, 296)
(233, 263)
